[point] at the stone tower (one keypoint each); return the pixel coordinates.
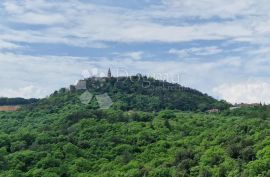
(109, 73)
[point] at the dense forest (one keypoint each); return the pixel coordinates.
(16, 101)
(140, 135)
(147, 94)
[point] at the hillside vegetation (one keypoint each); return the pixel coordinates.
(78, 141)
(147, 94)
(136, 137)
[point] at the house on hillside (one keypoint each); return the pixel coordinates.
(242, 105)
(213, 111)
(245, 105)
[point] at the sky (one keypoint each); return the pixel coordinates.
(220, 47)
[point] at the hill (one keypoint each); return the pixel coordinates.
(147, 94)
(61, 136)
(136, 93)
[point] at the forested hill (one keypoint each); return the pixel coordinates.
(59, 136)
(138, 93)
(16, 101)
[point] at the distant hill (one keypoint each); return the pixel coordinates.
(16, 101)
(137, 93)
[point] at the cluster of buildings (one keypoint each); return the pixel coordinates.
(237, 106)
(245, 105)
(82, 84)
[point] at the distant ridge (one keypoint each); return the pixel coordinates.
(16, 101)
(137, 93)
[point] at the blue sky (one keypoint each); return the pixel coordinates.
(220, 47)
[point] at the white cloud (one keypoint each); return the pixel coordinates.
(137, 55)
(197, 51)
(82, 24)
(88, 23)
(44, 74)
(42, 19)
(33, 12)
(245, 92)
(219, 8)
(8, 45)
(25, 92)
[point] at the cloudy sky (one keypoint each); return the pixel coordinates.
(220, 47)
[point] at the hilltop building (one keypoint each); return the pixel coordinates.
(81, 85)
(72, 88)
(109, 75)
(213, 111)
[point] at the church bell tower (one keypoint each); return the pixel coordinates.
(109, 73)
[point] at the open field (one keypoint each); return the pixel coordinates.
(9, 108)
